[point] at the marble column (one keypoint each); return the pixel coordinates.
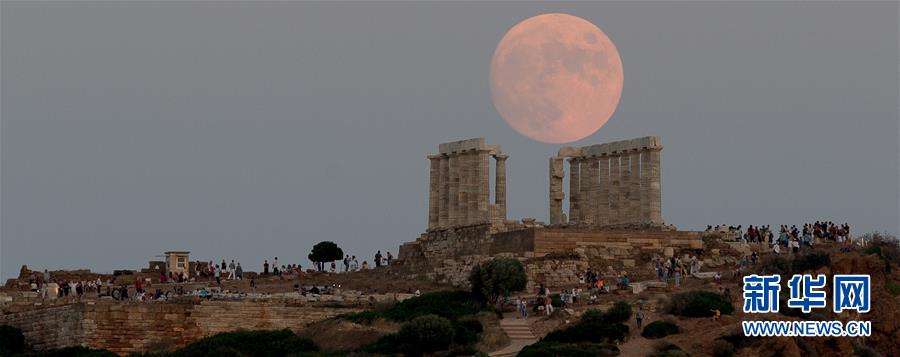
(589, 186)
(603, 194)
(443, 203)
(500, 189)
(574, 190)
(464, 174)
(484, 186)
(434, 184)
(615, 181)
(635, 191)
(625, 188)
(453, 191)
(556, 190)
(654, 194)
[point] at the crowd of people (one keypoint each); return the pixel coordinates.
(791, 238)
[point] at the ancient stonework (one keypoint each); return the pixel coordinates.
(460, 185)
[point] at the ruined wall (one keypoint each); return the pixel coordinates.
(556, 256)
(137, 327)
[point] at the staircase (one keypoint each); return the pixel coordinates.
(519, 332)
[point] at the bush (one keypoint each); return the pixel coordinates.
(12, 341)
(619, 312)
(660, 328)
(76, 351)
(595, 326)
(466, 332)
(497, 277)
(545, 348)
(364, 317)
(698, 304)
(667, 349)
(386, 345)
(423, 334)
(249, 343)
(448, 304)
(722, 348)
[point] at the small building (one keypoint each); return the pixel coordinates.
(177, 262)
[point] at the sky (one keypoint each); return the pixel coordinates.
(247, 131)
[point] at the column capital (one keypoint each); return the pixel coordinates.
(500, 157)
(435, 157)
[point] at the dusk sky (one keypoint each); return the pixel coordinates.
(246, 131)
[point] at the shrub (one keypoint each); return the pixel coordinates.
(595, 326)
(448, 304)
(364, 317)
(466, 332)
(497, 277)
(668, 349)
(250, 343)
(12, 341)
(423, 334)
(722, 348)
(865, 351)
(619, 312)
(545, 348)
(660, 328)
(386, 345)
(698, 304)
(893, 288)
(76, 351)
(886, 246)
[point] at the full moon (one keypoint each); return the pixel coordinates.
(556, 78)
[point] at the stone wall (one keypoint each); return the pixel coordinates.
(568, 239)
(138, 327)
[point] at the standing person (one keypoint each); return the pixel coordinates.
(231, 268)
(523, 308)
(266, 267)
(354, 264)
(252, 284)
(640, 317)
(275, 267)
(347, 263)
(238, 271)
(389, 258)
(218, 274)
(378, 259)
(548, 305)
(333, 267)
(365, 265)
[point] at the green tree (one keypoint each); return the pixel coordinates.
(497, 277)
(425, 334)
(324, 252)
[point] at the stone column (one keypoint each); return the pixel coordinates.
(472, 197)
(434, 194)
(444, 203)
(654, 189)
(589, 186)
(634, 201)
(615, 181)
(603, 194)
(453, 191)
(574, 190)
(464, 174)
(500, 189)
(556, 190)
(625, 188)
(484, 186)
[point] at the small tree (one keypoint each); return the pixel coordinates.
(424, 334)
(324, 252)
(498, 277)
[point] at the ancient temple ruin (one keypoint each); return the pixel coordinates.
(614, 217)
(610, 183)
(460, 186)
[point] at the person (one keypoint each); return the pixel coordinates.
(354, 264)
(389, 258)
(333, 267)
(640, 316)
(417, 293)
(218, 276)
(677, 276)
(378, 259)
(548, 305)
(347, 263)
(266, 267)
(238, 271)
(231, 268)
(523, 308)
(365, 265)
(716, 314)
(252, 284)
(223, 266)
